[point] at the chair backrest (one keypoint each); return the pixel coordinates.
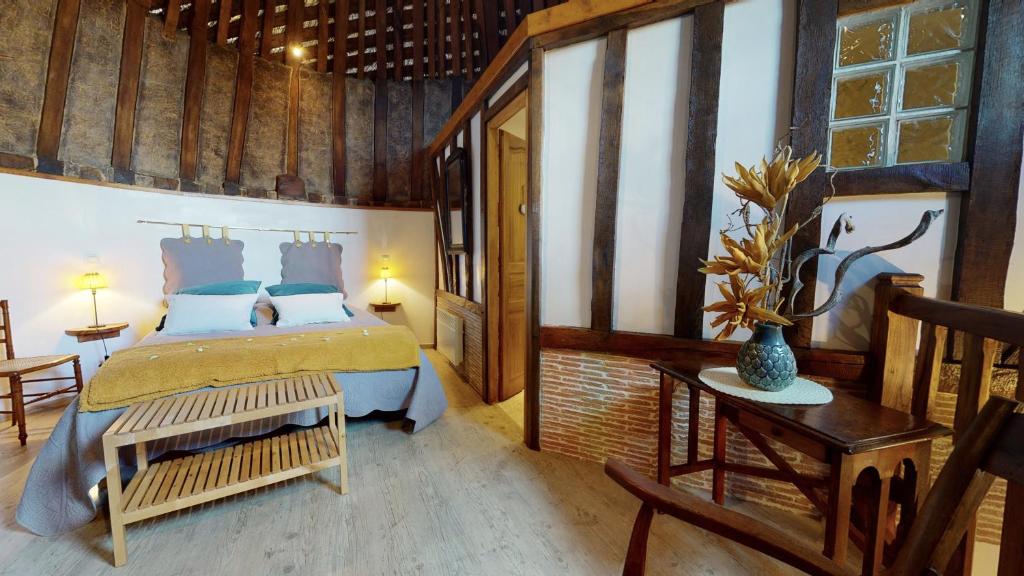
(908, 366)
(5, 330)
(991, 446)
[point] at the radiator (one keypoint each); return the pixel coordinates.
(449, 336)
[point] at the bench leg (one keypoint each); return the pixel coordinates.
(339, 415)
(114, 500)
(141, 457)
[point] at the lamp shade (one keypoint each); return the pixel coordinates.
(92, 281)
(385, 272)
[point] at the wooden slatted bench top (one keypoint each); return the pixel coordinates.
(176, 484)
(185, 413)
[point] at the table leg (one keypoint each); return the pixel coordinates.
(665, 430)
(718, 472)
(840, 498)
(875, 537)
(114, 501)
(693, 432)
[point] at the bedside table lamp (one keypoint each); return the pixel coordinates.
(93, 281)
(385, 273)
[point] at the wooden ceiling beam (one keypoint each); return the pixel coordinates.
(224, 21)
(361, 56)
(269, 8)
(446, 37)
(323, 34)
(456, 37)
(398, 29)
(467, 42)
(195, 82)
(171, 18)
(431, 39)
(338, 97)
(243, 89)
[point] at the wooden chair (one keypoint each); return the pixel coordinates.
(14, 369)
(909, 338)
(993, 445)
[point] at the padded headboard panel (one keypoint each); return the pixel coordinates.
(198, 262)
(320, 264)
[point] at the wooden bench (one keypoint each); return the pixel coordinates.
(172, 485)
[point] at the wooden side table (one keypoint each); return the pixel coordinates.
(849, 434)
(92, 333)
(379, 308)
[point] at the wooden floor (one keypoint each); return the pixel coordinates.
(462, 497)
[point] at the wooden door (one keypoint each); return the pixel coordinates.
(512, 263)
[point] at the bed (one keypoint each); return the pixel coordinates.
(57, 495)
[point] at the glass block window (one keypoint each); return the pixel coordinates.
(901, 84)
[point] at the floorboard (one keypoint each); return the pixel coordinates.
(464, 496)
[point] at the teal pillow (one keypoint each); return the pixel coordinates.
(301, 288)
(229, 288)
(304, 288)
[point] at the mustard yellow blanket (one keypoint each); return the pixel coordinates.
(147, 372)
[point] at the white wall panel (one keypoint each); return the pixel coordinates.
(651, 177)
(519, 73)
(758, 51)
(476, 178)
(572, 124)
(1013, 298)
(880, 220)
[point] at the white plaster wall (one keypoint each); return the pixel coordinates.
(1014, 296)
(755, 102)
(651, 175)
(58, 230)
(519, 73)
(880, 220)
(572, 123)
(479, 250)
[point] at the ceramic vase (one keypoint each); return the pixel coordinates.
(765, 360)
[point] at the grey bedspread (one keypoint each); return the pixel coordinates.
(57, 499)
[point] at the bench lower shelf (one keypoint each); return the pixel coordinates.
(173, 485)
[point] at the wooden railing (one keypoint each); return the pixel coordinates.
(909, 340)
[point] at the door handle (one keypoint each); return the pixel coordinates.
(522, 209)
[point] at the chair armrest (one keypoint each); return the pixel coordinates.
(723, 522)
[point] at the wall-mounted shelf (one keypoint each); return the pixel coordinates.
(92, 333)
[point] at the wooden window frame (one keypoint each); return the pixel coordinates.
(992, 152)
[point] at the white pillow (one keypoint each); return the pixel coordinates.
(191, 314)
(309, 309)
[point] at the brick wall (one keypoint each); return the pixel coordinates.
(595, 406)
(472, 367)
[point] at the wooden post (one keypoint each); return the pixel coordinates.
(195, 82)
(893, 342)
(243, 90)
(128, 84)
(815, 48)
(293, 36)
(65, 25)
(603, 273)
(341, 14)
(700, 175)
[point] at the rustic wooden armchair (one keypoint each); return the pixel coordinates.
(988, 444)
(14, 369)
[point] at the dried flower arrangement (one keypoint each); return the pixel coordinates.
(759, 266)
(755, 265)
